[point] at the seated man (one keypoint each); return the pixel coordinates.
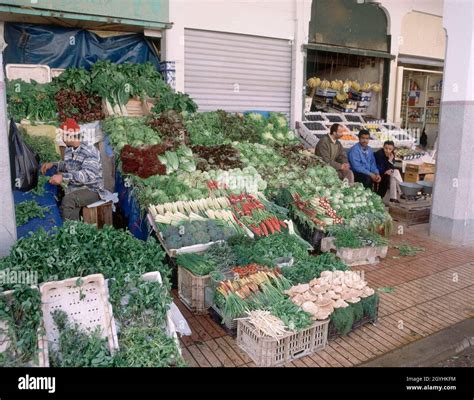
(391, 177)
(330, 149)
(362, 160)
(80, 173)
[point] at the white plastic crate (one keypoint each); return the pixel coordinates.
(354, 257)
(85, 301)
(29, 72)
(55, 72)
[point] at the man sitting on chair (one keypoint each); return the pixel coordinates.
(362, 160)
(80, 173)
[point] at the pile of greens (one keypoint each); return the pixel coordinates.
(355, 238)
(119, 82)
(33, 101)
(43, 146)
(170, 127)
(204, 128)
(28, 210)
(198, 264)
(77, 348)
(21, 311)
(268, 249)
(309, 267)
(196, 232)
(127, 130)
(177, 101)
(180, 160)
(40, 188)
(343, 319)
(160, 189)
(218, 258)
(147, 347)
(77, 249)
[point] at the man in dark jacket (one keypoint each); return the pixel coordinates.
(330, 149)
(385, 159)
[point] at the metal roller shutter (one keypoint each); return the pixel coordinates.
(237, 72)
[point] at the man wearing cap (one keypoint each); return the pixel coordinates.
(80, 173)
(330, 149)
(362, 160)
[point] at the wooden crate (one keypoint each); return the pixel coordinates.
(424, 168)
(98, 215)
(410, 216)
(192, 289)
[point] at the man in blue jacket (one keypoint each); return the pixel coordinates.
(362, 160)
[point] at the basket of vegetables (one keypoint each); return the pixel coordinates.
(193, 279)
(269, 342)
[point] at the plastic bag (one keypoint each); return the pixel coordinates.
(24, 162)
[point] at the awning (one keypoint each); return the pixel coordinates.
(417, 60)
(348, 50)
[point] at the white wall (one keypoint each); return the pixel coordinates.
(284, 19)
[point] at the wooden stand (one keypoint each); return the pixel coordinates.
(99, 214)
(411, 212)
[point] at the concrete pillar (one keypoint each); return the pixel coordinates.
(7, 207)
(302, 15)
(173, 42)
(452, 216)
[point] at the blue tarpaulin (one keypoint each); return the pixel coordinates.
(51, 218)
(137, 222)
(60, 47)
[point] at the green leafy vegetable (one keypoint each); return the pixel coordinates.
(27, 210)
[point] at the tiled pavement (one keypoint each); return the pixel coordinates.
(432, 290)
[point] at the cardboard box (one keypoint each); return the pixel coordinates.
(412, 177)
(424, 168)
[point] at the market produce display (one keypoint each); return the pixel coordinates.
(334, 289)
(78, 249)
(228, 184)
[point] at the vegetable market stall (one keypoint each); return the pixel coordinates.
(221, 190)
